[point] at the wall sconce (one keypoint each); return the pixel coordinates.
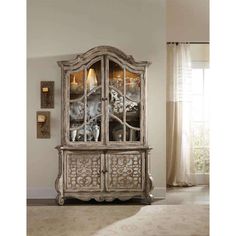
(91, 79)
(43, 124)
(47, 94)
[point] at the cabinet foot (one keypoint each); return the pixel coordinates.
(149, 199)
(60, 200)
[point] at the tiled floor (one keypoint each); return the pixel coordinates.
(174, 196)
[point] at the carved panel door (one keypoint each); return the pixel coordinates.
(83, 171)
(125, 171)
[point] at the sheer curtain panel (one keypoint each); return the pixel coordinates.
(179, 156)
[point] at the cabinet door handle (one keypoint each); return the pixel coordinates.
(104, 99)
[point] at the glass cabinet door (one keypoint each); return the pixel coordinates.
(77, 106)
(116, 102)
(88, 92)
(133, 105)
(85, 113)
(124, 103)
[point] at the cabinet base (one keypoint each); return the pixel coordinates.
(61, 200)
(103, 175)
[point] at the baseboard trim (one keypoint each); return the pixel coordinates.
(41, 193)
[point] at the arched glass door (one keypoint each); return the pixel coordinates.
(124, 103)
(86, 108)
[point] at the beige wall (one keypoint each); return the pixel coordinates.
(187, 20)
(57, 29)
(200, 52)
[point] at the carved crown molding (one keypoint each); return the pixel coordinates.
(83, 58)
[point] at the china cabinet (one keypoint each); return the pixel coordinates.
(104, 153)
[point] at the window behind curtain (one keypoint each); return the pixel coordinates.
(200, 117)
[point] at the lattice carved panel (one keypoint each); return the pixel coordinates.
(83, 172)
(125, 171)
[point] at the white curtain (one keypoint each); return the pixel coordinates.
(179, 158)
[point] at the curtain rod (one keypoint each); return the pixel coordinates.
(190, 42)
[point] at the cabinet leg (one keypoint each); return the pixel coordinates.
(60, 200)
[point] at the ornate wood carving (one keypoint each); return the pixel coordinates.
(81, 59)
(83, 172)
(59, 180)
(124, 171)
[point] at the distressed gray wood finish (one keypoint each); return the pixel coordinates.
(103, 170)
(83, 171)
(125, 170)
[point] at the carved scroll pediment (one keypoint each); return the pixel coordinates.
(84, 58)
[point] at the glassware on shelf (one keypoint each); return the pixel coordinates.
(96, 131)
(77, 111)
(92, 131)
(73, 134)
(80, 134)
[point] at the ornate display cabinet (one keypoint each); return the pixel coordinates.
(103, 153)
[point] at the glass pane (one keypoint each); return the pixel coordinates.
(207, 89)
(93, 79)
(201, 160)
(77, 84)
(133, 86)
(197, 81)
(200, 134)
(197, 108)
(132, 135)
(207, 83)
(116, 131)
(200, 120)
(132, 104)
(93, 130)
(76, 113)
(116, 76)
(94, 104)
(132, 113)
(77, 135)
(116, 102)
